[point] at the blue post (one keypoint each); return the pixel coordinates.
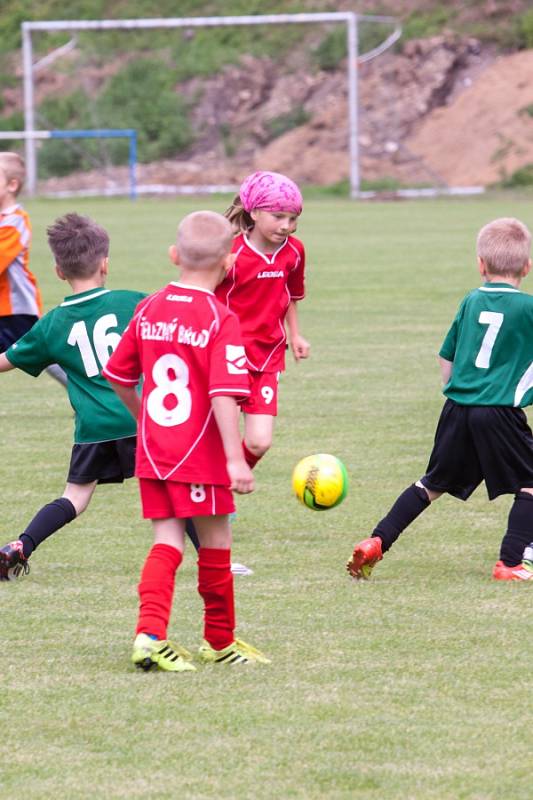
(133, 165)
(109, 133)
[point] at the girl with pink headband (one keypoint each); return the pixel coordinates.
(263, 288)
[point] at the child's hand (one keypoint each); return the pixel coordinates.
(300, 347)
(241, 477)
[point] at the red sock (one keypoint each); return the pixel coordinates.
(156, 589)
(215, 584)
(251, 458)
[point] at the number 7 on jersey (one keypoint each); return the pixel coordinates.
(494, 320)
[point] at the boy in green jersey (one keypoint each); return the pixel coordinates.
(80, 334)
(486, 363)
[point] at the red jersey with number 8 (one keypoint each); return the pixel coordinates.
(188, 348)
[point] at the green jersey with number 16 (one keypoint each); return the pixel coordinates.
(80, 334)
(491, 345)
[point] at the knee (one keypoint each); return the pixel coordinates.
(259, 444)
(79, 495)
(79, 503)
(431, 495)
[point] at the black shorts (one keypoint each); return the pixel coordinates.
(105, 462)
(476, 443)
(13, 326)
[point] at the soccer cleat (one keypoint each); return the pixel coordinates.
(236, 653)
(13, 563)
(364, 558)
(518, 573)
(240, 569)
(164, 655)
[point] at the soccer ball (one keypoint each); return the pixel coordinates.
(320, 481)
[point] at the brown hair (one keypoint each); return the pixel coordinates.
(79, 244)
(14, 168)
(504, 245)
(240, 219)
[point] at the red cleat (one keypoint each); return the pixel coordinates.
(365, 556)
(504, 573)
(13, 564)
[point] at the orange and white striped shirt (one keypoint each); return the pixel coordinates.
(19, 292)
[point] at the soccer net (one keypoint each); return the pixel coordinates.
(210, 99)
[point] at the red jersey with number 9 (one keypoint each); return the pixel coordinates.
(188, 348)
(259, 289)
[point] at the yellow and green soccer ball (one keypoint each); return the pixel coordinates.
(320, 481)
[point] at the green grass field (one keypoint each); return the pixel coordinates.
(413, 685)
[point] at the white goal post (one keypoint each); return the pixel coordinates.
(350, 19)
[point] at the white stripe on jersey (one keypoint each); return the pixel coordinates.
(83, 299)
(279, 344)
(128, 381)
(185, 457)
(233, 392)
(498, 289)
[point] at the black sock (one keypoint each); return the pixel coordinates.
(191, 533)
(407, 507)
(519, 530)
(47, 521)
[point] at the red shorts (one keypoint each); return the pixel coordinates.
(170, 499)
(264, 394)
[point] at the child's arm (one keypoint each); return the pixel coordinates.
(300, 347)
(129, 396)
(227, 415)
(5, 363)
(445, 369)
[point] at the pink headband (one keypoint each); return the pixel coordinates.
(270, 191)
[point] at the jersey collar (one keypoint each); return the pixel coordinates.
(83, 296)
(10, 209)
(259, 253)
(189, 286)
(498, 287)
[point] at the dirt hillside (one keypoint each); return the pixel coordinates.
(486, 132)
(444, 110)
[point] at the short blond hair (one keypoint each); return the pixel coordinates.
(13, 167)
(504, 245)
(204, 239)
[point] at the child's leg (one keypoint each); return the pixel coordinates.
(156, 586)
(519, 532)
(190, 530)
(258, 433)
(56, 515)
(215, 580)
(409, 505)
(51, 517)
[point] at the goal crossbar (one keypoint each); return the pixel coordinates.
(350, 19)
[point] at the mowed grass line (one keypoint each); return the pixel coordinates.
(413, 685)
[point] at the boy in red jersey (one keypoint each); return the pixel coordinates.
(263, 288)
(189, 455)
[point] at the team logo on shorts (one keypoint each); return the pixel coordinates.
(236, 359)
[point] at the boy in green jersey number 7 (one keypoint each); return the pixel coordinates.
(486, 363)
